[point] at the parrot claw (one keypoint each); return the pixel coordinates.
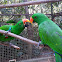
(6, 36)
(40, 46)
(6, 32)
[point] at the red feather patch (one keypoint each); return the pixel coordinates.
(6, 37)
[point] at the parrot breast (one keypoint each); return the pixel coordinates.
(51, 35)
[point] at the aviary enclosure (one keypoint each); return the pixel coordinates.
(18, 9)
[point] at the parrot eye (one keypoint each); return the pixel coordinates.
(19, 23)
(35, 17)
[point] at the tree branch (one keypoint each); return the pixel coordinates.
(55, 14)
(28, 3)
(21, 38)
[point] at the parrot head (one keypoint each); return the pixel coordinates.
(22, 23)
(38, 18)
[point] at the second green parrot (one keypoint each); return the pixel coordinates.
(50, 33)
(16, 29)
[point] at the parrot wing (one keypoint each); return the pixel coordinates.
(51, 35)
(5, 27)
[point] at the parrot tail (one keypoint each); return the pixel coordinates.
(58, 57)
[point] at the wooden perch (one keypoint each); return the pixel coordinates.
(27, 3)
(21, 38)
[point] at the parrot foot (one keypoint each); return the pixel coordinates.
(6, 32)
(6, 36)
(40, 46)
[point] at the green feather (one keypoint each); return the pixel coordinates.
(58, 57)
(49, 32)
(16, 29)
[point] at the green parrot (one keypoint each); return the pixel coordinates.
(50, 33)
(16, 29)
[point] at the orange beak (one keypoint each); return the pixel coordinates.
(31, 20)
(25, 20)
